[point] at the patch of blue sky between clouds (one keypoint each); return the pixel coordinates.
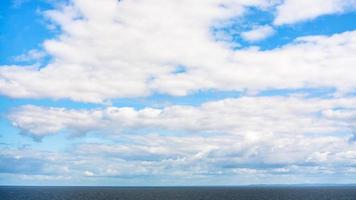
(323, 25)
(306, 92)
(23, 28)
(180, 69)
(200, 97)
(161, 100)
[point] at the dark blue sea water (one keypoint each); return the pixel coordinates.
(178, 193)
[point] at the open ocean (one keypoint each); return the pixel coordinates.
(178, 193)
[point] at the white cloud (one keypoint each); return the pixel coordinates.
(228, 151)
(193, 157)
(88, 173)
(293, 11)
(32, 55)
(133, 48)
(265, 136)
(258, 33)
(112, 49)
(42, 121)
(251, 117)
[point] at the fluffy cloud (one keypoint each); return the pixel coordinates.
(293, 11)
(115, 49)
(40, 121)
(133, 48)
(249, 116)
(258, 33)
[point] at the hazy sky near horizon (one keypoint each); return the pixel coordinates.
(166, 92)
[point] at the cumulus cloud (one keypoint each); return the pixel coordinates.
(293, 11)
(133, 48)
(258, 33)
(115, 49)
(250, 116)
(53, 120)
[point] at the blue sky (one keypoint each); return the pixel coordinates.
(159, 93)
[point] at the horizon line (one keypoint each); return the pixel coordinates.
(163, 186)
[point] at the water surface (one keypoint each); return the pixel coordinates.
(178, 193)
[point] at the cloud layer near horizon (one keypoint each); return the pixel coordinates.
(260, 136)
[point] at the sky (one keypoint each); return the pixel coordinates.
(170, 93)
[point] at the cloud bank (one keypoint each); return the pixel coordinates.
(133, 48)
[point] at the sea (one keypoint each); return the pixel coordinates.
(179, 193)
